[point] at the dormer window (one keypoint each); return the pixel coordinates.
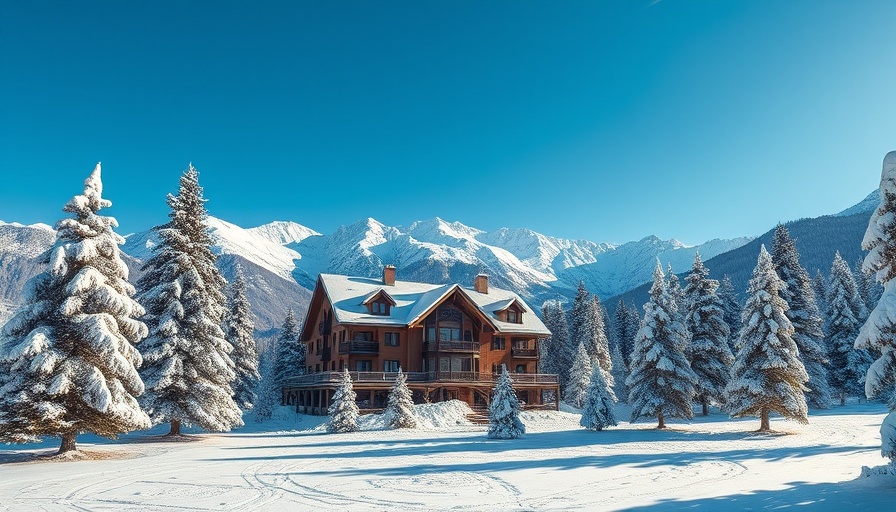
(379, 303)
(511, 312)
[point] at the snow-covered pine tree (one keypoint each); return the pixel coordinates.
(561, 357)
(240, 329)
(661, 382)
(708, 351)
(849, 365)
(621, 334)
(269, 394)
(805, 317)
(732, 309)
(879, 331)
(504, 410)
(343, 409)
(67, 358)
(867, 286)
(598, 411)
(768, 375)
(820, 287)
(187, 367)
(579, 378)
(600, 343)
(546, 358)
(290, 360)
(399, 411)
(675, 290)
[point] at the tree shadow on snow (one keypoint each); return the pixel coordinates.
(859, 494)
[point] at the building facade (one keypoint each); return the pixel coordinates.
(450, 341)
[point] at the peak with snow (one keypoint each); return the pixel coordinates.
(283, 232)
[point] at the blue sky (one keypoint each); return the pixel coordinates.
(607, 121)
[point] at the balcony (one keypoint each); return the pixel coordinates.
(452, 346)
(334, 378)
(524, 352)
(359, 347)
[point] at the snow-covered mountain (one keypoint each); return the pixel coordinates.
(282, 259)
(20, 247)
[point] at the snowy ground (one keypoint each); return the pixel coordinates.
(708, 464)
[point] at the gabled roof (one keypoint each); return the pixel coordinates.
(413, 301)
(502, 306)
(381, 293)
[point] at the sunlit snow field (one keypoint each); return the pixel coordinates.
(290, 463)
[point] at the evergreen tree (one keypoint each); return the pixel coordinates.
(587, 328)
(546, 350)
(68, 363)
(600, 345)
(879, 331)
(731, 308)
(187, 367)
(579, 378)
(820, 287)
(848, 364)
(621, 333)
(290, 360)
(504, 410)
(598, 410)
(269, 394)
(768, 375)
(343, 409)
(399, 411)
(708, 352)
(805, 317)
(674, 287)
(239, 330)
(661, 383)
(869, 289)
(558, 344)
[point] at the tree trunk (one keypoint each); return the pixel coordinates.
(705, 407)
(763, 422)
(662, 421)
(175, 428)
(68, 442)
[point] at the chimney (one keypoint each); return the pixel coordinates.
(480, 284)
(389, 275)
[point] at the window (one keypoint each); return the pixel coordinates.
(449, 334)
(391, 339)
(390, 365)
(498, 343)
(341, 365)
(513, 316)
(379, 308)
(520, 343)
(317, 368)
(520, 368)
(362, 336)
(363, 366)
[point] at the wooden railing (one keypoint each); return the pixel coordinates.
(359, 347)
(452, 346)
(389, 377)
(524, 352)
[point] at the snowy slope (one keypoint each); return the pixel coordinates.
(867, 205)
(711, 463)
(283, 232)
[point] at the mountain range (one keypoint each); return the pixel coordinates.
(281, 260)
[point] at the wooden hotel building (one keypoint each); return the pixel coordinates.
(451, 341)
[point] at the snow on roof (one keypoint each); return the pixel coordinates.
(347, 295)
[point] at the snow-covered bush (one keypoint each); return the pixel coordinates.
(343, 409)
(504, 410)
